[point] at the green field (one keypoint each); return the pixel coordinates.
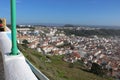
(56, 68)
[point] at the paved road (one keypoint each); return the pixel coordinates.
(1, 69)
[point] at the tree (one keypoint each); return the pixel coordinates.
(25, 41)
(96, 69)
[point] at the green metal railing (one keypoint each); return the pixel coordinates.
(14, 50)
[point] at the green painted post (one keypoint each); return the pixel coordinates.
(14, 50)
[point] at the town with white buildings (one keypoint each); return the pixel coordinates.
(50, 41)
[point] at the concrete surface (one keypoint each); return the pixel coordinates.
(1, 68)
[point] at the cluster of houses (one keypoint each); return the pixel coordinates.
(50, 41)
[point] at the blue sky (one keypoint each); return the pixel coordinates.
(84, 12)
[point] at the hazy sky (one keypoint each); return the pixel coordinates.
(90, 12)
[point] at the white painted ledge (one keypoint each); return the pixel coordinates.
(15, 67)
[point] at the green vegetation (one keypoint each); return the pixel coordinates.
(69, 25)
(25, 41)
(99, 32)
(97, 69)
(56, 69)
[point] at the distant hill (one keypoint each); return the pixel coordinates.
(99, 32)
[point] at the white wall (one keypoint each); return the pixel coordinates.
(15, 67)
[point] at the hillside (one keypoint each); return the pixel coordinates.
(56, 69)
